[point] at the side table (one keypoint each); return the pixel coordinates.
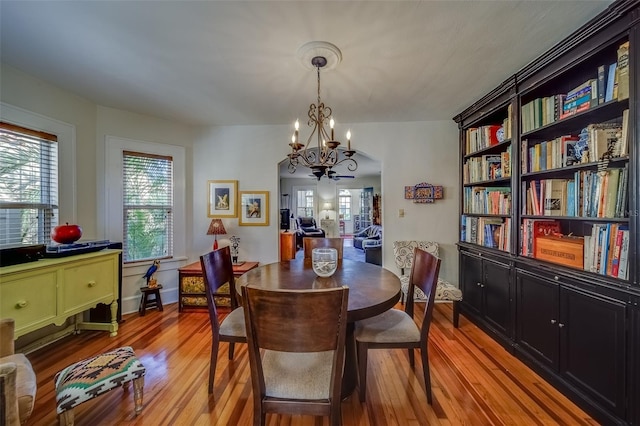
(191, 286)
(148, 303)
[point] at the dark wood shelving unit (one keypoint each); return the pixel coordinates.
(577, 328)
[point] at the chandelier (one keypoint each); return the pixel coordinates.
(320, 153)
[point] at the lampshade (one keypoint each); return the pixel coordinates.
(216, 227)
(328, 206)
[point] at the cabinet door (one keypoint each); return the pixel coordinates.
(496, 295)
(537, 318)
(592, 344)
(471, 271)
(634, 368)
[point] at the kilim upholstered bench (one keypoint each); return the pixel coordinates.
(94, 376)
(445, 291)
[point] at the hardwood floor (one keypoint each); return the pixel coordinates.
(474, 380)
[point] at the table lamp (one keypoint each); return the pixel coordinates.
(216, 227)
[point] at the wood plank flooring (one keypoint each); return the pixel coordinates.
(474, 380)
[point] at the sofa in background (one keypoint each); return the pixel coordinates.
(307, 227)
(373, 232)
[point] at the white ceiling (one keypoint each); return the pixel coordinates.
(235, 63)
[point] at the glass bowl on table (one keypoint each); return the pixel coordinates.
(324, 261)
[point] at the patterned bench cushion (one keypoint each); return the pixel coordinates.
(94, 376)
(403, 256)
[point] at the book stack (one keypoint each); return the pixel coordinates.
(606, 250)
(580, 99)
(549, 155)
(534, 228)
(487, 167)
(487, 200)
(487, 231)
(478, 138)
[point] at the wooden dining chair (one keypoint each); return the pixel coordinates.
(310, 243)
(296, 344)
(217, 270)
(397, 329)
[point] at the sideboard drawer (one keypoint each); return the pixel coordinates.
(30, 300)
(89, 283)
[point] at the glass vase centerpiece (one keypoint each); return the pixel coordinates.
(324, 261)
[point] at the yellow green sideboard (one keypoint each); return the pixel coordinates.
(49, 291)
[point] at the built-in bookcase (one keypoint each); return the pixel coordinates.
(487, 164)
(561, 287)
(574, 165)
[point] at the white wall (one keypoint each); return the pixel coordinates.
(410, 153)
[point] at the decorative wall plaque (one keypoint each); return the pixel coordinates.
(423, 193)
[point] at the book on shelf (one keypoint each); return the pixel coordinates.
(602, 78)
(555, 197)
(568, 150)
(611, 75)
(623, 264)
(603, 139)
(622, 148)
(611, 194)
(622, 69)
(505, 158)
(492, 167)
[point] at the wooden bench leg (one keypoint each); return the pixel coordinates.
(138, 393)
(66, 418)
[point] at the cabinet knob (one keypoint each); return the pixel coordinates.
(479, 285)
(22, 304)
(91, 284)
(556, 278)
(553, 321)
(560, 325)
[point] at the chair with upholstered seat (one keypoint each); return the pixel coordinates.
(445, 292)
(397, 329)
(296, 344)
(310, 243)
(217, 270)
(17, 379)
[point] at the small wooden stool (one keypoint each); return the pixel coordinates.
(146, 302)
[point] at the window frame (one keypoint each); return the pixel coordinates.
(165, 208)
(113, 191)
(66, 133)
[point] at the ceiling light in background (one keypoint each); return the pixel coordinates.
(324, 155)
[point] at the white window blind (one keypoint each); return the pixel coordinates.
(28, 185)
(148, 206)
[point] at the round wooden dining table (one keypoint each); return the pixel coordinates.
(372, 291)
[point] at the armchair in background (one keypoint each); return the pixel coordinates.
(18, 383)
(307, 227)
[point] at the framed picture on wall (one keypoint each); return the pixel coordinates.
(222, 198)
(254, 208)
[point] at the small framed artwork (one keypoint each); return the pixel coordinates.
(254, 208)
(222, 198)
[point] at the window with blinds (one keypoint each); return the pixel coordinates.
(344, 204)
(28, 185)
(148, 206)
